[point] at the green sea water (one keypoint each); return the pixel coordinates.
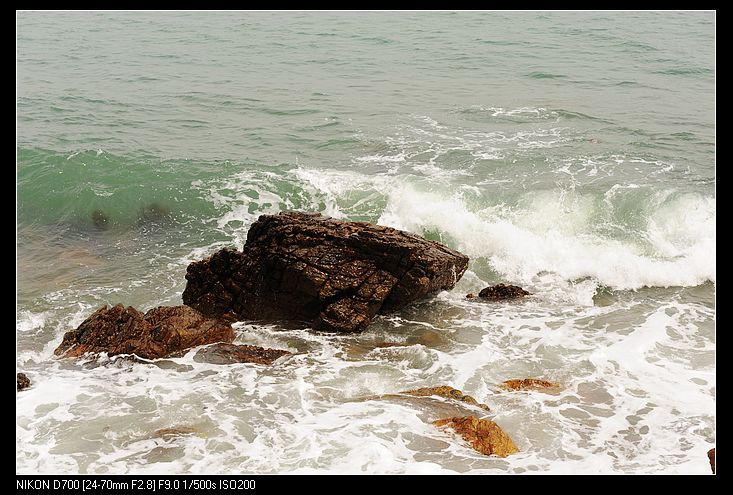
(572, 153)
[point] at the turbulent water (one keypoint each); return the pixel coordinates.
(571, 153)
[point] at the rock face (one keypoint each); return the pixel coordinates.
(532, 384)
(484, 435)
(333, 275)
(23, 382)
(448, 393)
(711, 458)
(231, 353)
(163, 331)
(501, 292)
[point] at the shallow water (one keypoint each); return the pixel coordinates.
(572, 153)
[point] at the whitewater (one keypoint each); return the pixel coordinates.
(570, 153)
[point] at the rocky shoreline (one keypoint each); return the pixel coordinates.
(317, 272)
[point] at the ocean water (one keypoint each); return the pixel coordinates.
(572, 153)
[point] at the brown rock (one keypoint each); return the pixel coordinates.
(531, 384)
(501, 292)
(484, 435)
(161, 332)
(448, 393)
(231, 353)
(330, 274)
(711, 458)
(23, 382)
(175, 431)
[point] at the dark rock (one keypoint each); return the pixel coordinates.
(711, 458)
(100, 220)
(231, 353)
(23, 382)
(332, 275)
(484, 435)
(448, 393)
(502, 291)
(161, 332)
(154, 212)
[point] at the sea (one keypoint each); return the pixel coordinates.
(571, 153)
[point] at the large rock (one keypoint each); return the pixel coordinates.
(163, 331)
(484, 435)
(332, 275)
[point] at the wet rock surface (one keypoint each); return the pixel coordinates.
(329, 274)
(484, 435)
(535, 384)
(500, 292)
(164, 331)
(232, 353)
(448, 393)
(174, 432)
(23, 382)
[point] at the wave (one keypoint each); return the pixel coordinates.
(623, 236)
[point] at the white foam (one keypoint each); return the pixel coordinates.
(554, 231)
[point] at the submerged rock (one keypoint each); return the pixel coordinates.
(173, 432)
(23, 382)
(154, 212)
(232, 353)
(161, 332)
(500, 292)
(532, 384)
(100, 220)
(711, 458)
(484, 435)
(330, 274)
(448, 393)
(427, 400)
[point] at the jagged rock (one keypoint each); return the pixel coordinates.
(231, 353)
(711, 458)
(332, 275)
(484, 435)
(161, 332)
(532, 384)
(448, 393)
(500, 292)
(23, 382)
